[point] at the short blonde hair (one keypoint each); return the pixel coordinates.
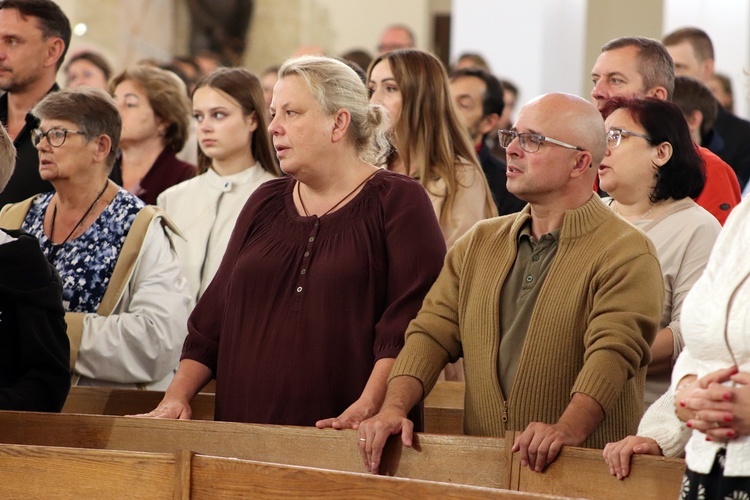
(168, 97)
(336, 86)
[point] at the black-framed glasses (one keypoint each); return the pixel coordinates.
(531, 142)
(615, 135)
(55, 136)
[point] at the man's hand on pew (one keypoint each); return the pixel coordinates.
(374, 432)
(169, 409)
(540, 443)
(403, 393)
(617, 455)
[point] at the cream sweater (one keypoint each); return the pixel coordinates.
(596, 315)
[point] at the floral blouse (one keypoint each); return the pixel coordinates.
(85, 264)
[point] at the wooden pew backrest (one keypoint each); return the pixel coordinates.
(580, 472)
(214, 477)
(44, 472)
(452, 459)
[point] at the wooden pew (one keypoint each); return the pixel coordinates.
(484, 462)
(443, 406)
(580, 472)
(48, 472)
(453, 459)
(214, 477)
(45, 472)
(108, 401)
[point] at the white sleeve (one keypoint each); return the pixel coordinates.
(661, 424)
(141, 341)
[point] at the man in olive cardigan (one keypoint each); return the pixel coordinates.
(553, 308)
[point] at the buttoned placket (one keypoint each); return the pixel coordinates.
(299, 288)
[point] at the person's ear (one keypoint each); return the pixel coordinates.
(103, 145)
(662, 154)
(341, 121)
(252, 121)
(489, 123)
(583, 162)
(659, 92)
(55, 49)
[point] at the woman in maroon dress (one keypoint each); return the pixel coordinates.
(324, 270)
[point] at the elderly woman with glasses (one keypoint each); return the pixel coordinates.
(125, 297)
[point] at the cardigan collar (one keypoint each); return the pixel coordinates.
(577, 222)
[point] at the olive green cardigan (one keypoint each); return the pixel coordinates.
(590, 332)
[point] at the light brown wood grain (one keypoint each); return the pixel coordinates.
(434, 457)
(227, 478)
(43, 472)
(580, 472)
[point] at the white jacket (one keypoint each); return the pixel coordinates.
(140, 343)
(704, 316)
(205, 209)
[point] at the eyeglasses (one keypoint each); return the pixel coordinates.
(55, 136)
(531, 142)
(615, 135)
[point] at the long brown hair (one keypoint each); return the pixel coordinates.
(429, 136)
(244, 87)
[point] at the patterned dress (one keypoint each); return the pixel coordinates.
(85, 264)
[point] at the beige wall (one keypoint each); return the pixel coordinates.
(280, 26)
(609, 19)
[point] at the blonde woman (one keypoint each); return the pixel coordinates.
(324, 271)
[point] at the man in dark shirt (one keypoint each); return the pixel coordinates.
(34, 36)
(479, 99)
(693, 55)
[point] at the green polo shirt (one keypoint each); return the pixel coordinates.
(518, 298)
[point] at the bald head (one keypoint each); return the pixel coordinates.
(574, 120)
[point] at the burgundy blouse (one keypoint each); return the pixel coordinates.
(301, 308)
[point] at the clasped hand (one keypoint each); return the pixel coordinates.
(719, 411)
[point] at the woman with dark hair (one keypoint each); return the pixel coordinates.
(651, 171)
(155, 112)
(235, 157)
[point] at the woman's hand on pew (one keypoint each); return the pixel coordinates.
(617, 455)
(359, 410)
(169, 409)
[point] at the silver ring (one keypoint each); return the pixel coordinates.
(716, 425)
(362, 439)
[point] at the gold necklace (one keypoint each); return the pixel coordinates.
(640, 218)
(304, 208)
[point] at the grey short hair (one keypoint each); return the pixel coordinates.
(92, 110)
(655, 65)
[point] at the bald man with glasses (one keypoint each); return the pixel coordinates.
(553, 309)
